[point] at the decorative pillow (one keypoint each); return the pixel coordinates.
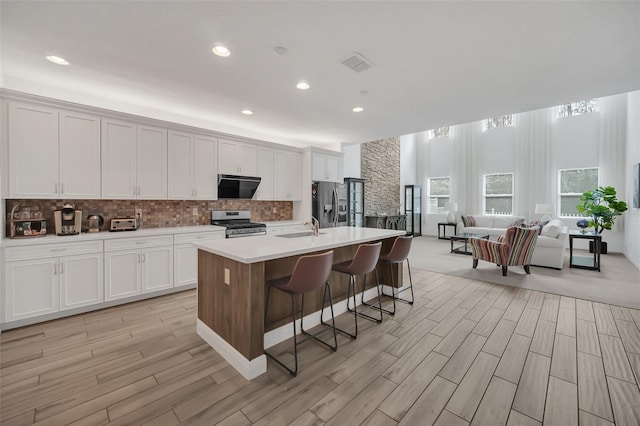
(468, 221)
(539, 224)
(552, 229)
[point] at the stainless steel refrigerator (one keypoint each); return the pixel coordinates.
(329, 204)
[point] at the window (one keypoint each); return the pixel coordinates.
(442, 132)
(438, 194)
(500, 121)
(573, 182)
(498, 193)
(577, 108)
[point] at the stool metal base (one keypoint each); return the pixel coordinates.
(394, 293)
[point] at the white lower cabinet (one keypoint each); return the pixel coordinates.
(185, 257)
(134, 266)
(43, 280)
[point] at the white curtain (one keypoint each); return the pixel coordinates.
(612, 138)
(466, 169)
(535, 170)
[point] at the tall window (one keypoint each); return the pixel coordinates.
(442, 132)
(500, 121)
(577, 108)
(498, 193)
(573, 182)
(438, 194)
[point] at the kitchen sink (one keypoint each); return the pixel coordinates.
(298, 234)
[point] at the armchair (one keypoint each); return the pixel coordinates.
(515, 248)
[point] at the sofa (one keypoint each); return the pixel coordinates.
(550, 246)
(494, 226)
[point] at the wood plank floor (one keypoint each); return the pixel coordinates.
(467, 352)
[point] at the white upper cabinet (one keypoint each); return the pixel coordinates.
(134, 161)
(79, 156)
(265, 172)
(237, 158)
(192, 167)
(326, 167)
(53, 153)
(287, 175)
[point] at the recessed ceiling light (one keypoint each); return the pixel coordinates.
(57, 60)
(246, 111)
(280, 50)
(221, 50)
(302, 85)
(357, 109)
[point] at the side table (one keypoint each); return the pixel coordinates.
(444, 225)
(585, 262)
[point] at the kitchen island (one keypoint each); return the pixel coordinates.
(231, 288)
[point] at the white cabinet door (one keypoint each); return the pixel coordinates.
(31, 288)
(122, 274)
(81, 280)
(185, 265)
(332, 169)
(228, 157)
(157, 269)
(180, 170)
(287, 175)
(79, 156)
(152, 163)
(265, 172)
(318, 167)
(119, 163)
(248, 159)
(205, 174)
(33, 151)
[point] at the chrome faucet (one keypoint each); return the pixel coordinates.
(315, 225)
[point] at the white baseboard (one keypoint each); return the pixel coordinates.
(250, 369)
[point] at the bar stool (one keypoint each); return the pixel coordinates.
(399, 253)
(309, 274)
(363, 262)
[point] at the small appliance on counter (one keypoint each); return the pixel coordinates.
(68, 221)
(95, 222)
(123, 224)
(26, 222)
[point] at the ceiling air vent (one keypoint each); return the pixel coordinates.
(357, 63)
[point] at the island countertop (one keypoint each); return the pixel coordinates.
(268, 247)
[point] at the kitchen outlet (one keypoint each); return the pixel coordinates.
(194, 211)
(273, 210)
(139, 215)
(227, 278)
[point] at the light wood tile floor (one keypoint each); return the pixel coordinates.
(467, 352)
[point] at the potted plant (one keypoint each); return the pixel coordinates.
(601, 207)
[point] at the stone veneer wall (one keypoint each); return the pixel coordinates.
(161, 213)
(380, 167)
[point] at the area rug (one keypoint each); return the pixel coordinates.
(618, 282)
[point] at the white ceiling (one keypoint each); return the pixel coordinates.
(437, 63)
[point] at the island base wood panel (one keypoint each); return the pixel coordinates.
(235, 311)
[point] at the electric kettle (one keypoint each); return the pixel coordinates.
(95, 223)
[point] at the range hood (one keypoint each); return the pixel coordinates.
(237, 187)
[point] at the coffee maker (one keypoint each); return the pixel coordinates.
(68, 221)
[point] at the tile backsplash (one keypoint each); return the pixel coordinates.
(161, 213)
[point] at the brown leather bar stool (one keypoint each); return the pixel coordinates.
(309, 274)
(399, 253)
(363, 262)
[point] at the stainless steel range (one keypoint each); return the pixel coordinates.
(238, 223)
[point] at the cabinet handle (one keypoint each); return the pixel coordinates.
(58, 249)
(62, 188)
(62, 268)
(134, 190)
(141, 242)
(139, 190)
(138, 255)
(144, 258)
(55, 187)
(55, 269)
(196, 192)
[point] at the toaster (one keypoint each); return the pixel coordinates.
(123, 224)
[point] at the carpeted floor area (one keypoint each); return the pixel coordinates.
(618, 283)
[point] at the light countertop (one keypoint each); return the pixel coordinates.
(105, 235)
(268, 247)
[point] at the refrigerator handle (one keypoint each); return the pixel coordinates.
(335, 207)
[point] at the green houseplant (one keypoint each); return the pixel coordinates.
(601, 207)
